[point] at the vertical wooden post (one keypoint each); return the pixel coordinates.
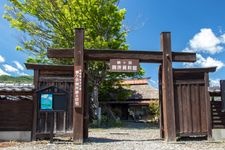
(78, 112)
(35, 105)
(51, 114)
(208, 106)
(167, 88)
(86, 103)
(160, 102)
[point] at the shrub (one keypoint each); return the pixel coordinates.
(154, 110)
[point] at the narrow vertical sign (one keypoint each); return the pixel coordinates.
(77, 86)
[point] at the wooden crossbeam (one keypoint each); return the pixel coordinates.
(194, 70)
(49, 67)
(105, 55)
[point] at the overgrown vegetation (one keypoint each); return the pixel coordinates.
(18, 79)
(154, 110)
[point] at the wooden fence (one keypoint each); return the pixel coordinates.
(218, 116)
(16, 115)
(16, 109)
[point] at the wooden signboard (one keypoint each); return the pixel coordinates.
(124, 65)
(50, 100)
(78, 86)
(60, 101)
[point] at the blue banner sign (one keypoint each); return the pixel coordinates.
(46, 101)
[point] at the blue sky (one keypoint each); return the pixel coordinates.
(195, 25)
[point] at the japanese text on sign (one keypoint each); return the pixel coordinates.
(124, 65)
(78, 86)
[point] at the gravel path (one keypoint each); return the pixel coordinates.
(138, 138)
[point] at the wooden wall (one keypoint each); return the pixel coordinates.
(191, 103)
(16, 115)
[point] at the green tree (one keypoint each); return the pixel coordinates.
(51, 23)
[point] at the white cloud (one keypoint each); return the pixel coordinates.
(18, 65)
(206, 41)
(153, 83)
(222, 38)
(214, 82)
(23, 74)
(3, 72)
(9, 68)
(187, 49)
(2, 59)
(205, 62)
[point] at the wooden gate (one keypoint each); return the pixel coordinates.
(61, 77)
(192, 102)
(186, 81)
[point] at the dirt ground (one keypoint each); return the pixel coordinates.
(134, 136)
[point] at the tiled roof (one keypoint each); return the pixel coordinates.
(16, 89)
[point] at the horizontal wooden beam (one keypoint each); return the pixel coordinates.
(60, 53)
(106, 55)
(189, 82)
(49, 67)
(215, 93)
(57, 79)
(16, 93)
(194, 70)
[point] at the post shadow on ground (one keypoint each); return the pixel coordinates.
(108, 140)
(139, 124)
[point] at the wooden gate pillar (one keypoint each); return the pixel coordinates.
(167, 89)
(78, 102)
(86, 102)
(160, 103)
(208, 106)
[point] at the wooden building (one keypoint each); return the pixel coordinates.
(136, 106)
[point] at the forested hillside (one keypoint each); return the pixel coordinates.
(18, 79)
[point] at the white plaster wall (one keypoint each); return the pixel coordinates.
(15, 135)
